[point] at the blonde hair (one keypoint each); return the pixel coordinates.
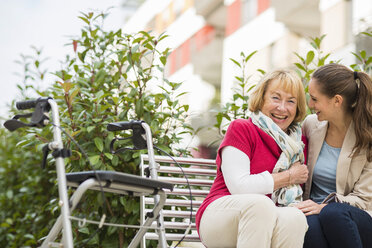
(288, 81)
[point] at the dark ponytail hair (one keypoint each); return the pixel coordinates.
(356, 89)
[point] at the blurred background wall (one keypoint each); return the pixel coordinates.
(206, 33)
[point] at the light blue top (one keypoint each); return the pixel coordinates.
(324, 175)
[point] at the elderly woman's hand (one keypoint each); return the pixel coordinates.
(298, 173)
(309, 207)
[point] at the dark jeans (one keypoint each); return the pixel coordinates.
(339, 225)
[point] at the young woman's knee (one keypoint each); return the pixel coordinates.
(331, 212)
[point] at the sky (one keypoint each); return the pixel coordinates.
(46, 24)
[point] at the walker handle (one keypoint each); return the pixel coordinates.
(30, 103)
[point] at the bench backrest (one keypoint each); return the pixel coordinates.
(176, 213)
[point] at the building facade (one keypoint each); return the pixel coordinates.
(205, 34)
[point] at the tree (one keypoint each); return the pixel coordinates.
(110, 77)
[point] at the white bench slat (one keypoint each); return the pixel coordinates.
(182, 180)
(176, 225)
(182, 160)
(186, 192)
(175, 202)
(188, 171)
(175, 213)
(174, 237)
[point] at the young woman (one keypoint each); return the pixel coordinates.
(258, 157)
(339, 187)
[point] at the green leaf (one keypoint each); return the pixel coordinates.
(29, 236)
(99, 143)
(313, 44)
(84, 19)
(299, 66)
(139, 108)
(135, 48)
(93, 33)
(309, 57)
(90, 128)
(9, 194)
(239, 78)
(82, 55)
(322, 60)
(162, 37)
(99, 95)
(298, 56)
(145, 34)
(115, 161)
(363, 54)
(250, 55)
(135, 57)
(321, 38)
(181, 94)
(148, 46)
(137, 40)
(109, 155)
(357, 56)
(163, 60)
(94, 159)
(369, 34)
(236, 62)
(122, 201)
(84, 230)
(308, 73)
(115, 99)
(369, 60)
(110, 231)
(94, 240)
(219, 119)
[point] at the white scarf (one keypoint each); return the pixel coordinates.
(292, 151)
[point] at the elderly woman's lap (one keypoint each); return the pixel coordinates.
(251, 220)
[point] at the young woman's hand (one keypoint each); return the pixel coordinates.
(309, 207)
(298, 173)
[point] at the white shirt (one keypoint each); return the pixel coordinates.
(236, 171)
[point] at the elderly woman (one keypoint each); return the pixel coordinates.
(259, 158)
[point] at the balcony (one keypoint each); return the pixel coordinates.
(300, 16)
(213, 11)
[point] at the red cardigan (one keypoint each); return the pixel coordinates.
(261, 148)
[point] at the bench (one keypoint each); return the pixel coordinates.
(176, 211)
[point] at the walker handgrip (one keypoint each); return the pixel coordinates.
(26, 104)
(124, 125)
(30, 103)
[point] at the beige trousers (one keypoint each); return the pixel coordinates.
(251, 220)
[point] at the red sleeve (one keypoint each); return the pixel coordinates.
(237, 135)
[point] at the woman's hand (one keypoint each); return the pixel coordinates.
(298, 173)
(309, 207)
